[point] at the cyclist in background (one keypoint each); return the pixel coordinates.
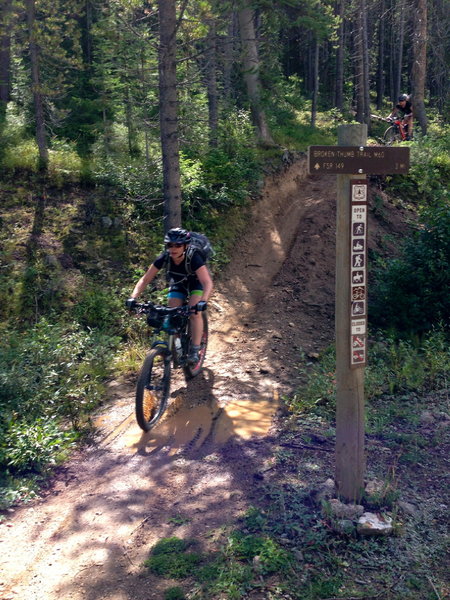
(195, 285)
(405, 108)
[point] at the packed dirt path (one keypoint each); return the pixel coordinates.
(87, 538)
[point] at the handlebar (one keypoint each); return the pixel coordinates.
(147, 307)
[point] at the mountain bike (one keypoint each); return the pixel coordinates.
(396, 132)
(172, 330)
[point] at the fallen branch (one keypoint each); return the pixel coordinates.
(438, 596)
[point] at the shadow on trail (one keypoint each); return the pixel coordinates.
(178, 481)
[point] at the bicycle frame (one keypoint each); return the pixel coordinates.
(400, 126)
(162, 320)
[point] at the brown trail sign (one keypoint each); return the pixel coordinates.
(358, 159)
(351, 160)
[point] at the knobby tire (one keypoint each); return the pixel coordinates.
(191, 371)
(391, 135)
(152, 388)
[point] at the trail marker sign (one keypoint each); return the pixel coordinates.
(358, 272)
(351, 161)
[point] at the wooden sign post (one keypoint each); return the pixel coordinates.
(351, 160)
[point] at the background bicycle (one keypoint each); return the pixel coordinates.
(169, 349)
(396, 132)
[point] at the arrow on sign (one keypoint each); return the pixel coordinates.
(317, 166)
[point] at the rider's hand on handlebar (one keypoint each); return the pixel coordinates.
(201, 306)
(130, 303)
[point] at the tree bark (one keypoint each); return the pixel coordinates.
(211, 83)
(229, 51)
(250, 62)
(380, 66)
(168, 113)
(359, 68)
(41, 138)
(339, 98)
(5, 56)
(365, 50)
(418, 73)
(400, 42)
(315, 95)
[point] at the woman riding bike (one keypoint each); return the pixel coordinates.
(193, 285)
(405, 108)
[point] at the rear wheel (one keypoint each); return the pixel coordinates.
(152, 388)
(193, 370)
(391, 135)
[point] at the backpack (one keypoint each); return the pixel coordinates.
(200, 243)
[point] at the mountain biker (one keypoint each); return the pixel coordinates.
(195, 285)
(405, 107)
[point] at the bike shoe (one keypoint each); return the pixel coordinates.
(193, 356)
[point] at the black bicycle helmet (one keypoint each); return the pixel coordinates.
(403, 98)
(176, 235)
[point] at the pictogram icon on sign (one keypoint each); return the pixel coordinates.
(358, 356)
(359, 293)
(359, 193)
(358, 260)
(359, 229)
(358, 277)
(358, 308)
(358, 246)
(357, 342)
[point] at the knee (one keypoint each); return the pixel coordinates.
(196, 317)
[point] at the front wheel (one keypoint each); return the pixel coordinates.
(191, 371)
(153, 388)
(391, 135)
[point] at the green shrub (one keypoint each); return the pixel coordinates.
(53, 369)
(410, 293)
(34, 445)
(272, 558)
(394, 366)
(174, 593)
(99, 308)
(170, 546)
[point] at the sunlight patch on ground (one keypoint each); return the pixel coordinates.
(188, 428)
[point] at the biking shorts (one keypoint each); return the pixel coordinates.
(182, 292)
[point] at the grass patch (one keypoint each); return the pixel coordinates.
(394, 367)
(171, 558)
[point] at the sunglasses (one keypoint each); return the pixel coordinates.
(174, 245)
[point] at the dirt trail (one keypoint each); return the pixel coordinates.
(88, 537)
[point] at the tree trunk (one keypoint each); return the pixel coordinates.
(359, 67)
(400, 42)
(229, 50)
(133, 147)
(365, 51)
(418, 73)
(250, 62)
(339, 98)
(438, 80)
(5, 56)
(168, 113)
(36, 87)
(315, 95)
(380, 67)
(390, 52)
(211, 83)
